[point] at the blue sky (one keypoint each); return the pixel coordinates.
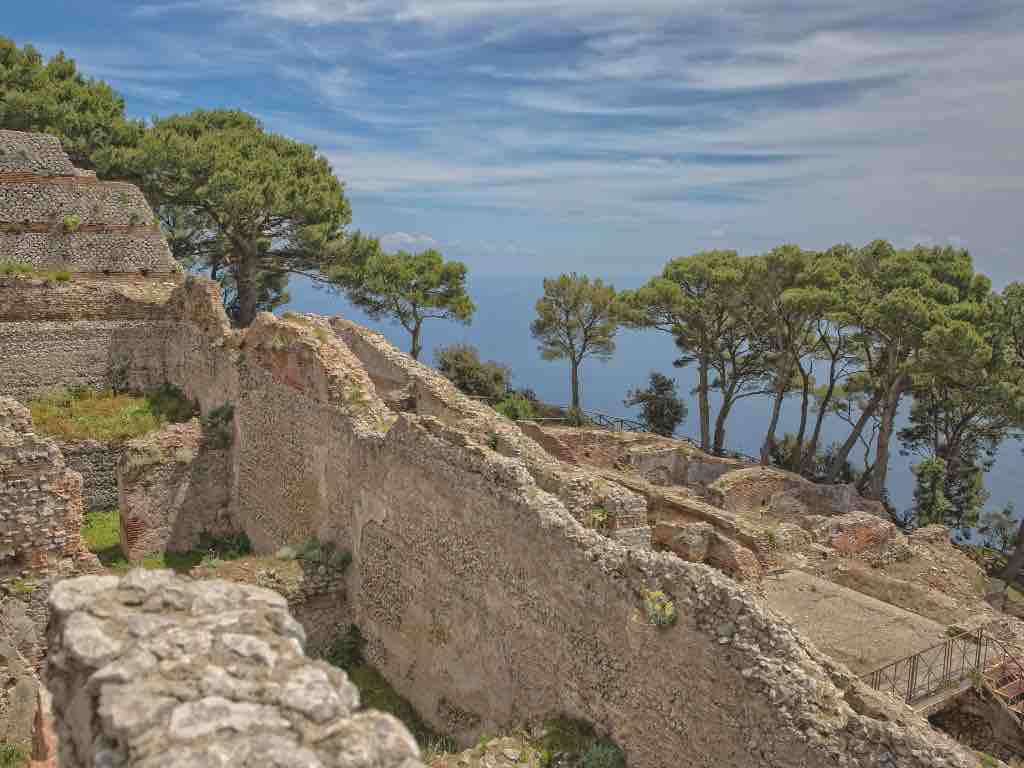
(535, 136)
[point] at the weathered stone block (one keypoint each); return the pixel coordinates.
(155, 671)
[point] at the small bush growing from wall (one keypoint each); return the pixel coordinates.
(660, 610)
(604, 754)
(219, 425)
(348, 648)
(72, 222)
(375, 692)
(9, 268)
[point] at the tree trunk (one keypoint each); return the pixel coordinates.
(1016, 561)
(575, 367)
(769, 437)
(892, 404)
(248, 287)
(723, 414)
(851, 440)
(702, 402)
(796, 461)
(416, 346)
(811, 454)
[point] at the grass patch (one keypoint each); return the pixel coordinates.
(10, 268)
(88, 414)
(375, 692)
(13, 756)
(101, 532)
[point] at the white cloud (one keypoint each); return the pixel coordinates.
(407, 241)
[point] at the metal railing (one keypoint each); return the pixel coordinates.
(943, 667)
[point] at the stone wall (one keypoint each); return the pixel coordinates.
(95, 462)
(40, 498)
(106, 325)
(154, 671)
(174, 488)
(487, 604)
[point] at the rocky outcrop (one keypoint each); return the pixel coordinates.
(154, 671)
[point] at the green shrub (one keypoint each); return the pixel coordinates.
(604, 754)
(565, 734)
(660, 610)
(72, 222)
(575, 417)
(515, 407)
(598, 518)
(461, 364)
(347, 650)
(219, 425)
(9, 268)
(13, 756)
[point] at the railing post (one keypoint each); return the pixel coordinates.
(981, 637)
(912, 679)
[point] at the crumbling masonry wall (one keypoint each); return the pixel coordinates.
(40, 498)
(485, 573)
(155, 671)
(488, 604)
(174, 487)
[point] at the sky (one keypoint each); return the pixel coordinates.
(530, 137)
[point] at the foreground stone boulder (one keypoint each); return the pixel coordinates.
(155, 671)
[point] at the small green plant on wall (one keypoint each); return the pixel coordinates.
(659, 608)
(72, 222)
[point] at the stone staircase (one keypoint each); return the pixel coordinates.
(1005, 679)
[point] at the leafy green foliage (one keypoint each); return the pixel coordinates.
(999, 528)
(515, 407)
(241, 200)
(659, 608)
(9, 268)
(604, 754)
(576, 319)
(461, 364)
(375, 692)
(219, 425)
(661, 409)
(14, 756)
(701, 301)
(348, 649)
(53, 97)
(408, 288)
(87, 414)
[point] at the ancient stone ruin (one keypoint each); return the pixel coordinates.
(500, 573)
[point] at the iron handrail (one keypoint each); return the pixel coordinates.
(905, 676)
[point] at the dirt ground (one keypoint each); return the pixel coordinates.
(853, 628)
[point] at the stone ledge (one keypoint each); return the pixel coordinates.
(152, 670)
